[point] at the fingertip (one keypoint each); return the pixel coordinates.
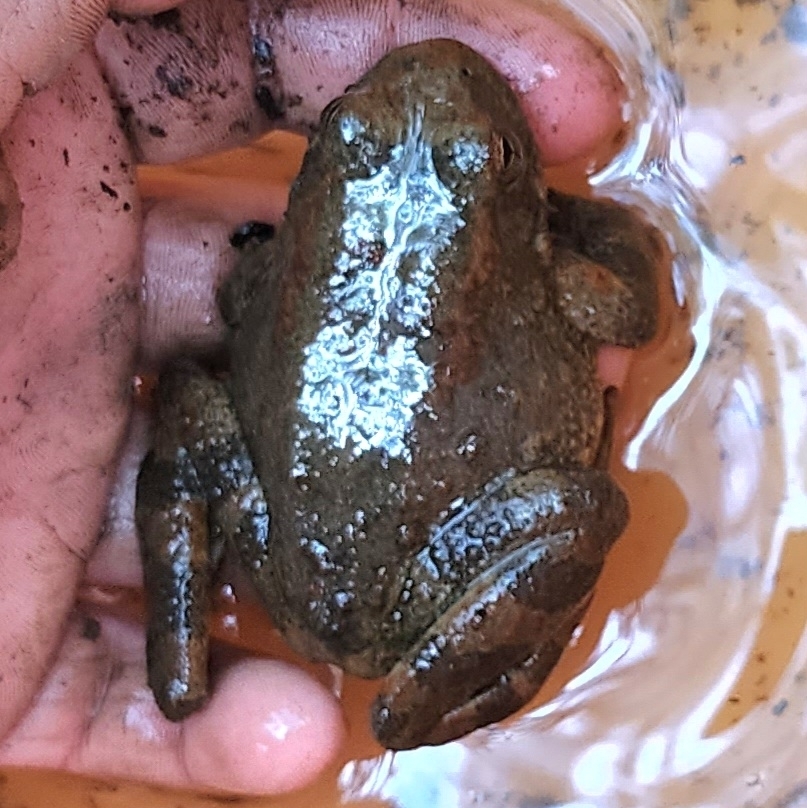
(270, 728)
(570, 90)
(613, 365)
(579, 109)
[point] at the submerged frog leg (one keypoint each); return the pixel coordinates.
(196, 488)
(526, 556)
(605, 260)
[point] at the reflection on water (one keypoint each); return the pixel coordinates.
(688, 682)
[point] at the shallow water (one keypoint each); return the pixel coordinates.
(688, 683)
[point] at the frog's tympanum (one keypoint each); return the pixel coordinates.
(408, 450)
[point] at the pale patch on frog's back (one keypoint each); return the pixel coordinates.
(363, 380)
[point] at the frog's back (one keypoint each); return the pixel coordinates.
(411, 355)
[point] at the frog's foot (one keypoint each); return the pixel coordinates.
(605, 260)
(196, 488)
(491, 650)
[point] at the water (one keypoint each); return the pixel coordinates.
(688, 683)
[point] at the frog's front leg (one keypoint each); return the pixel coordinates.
(196, 488)
(605, 259)
(526, 556)
(256, 269)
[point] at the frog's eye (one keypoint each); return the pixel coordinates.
(460, 159)
(330, 113)
(509, 155)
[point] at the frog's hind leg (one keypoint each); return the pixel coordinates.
(195, 489)
(513, 686)
(606, 260)
(490, 651)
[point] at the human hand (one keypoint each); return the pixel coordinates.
(74, 695)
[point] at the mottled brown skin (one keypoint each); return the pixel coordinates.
(456, 555)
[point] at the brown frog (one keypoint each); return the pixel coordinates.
(413, 399)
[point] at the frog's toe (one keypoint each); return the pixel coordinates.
(488, 654)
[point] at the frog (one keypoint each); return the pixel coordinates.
(407, 450)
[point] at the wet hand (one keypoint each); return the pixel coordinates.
(75, 247)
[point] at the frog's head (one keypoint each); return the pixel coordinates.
(442, 99)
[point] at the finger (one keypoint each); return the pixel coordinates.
(190, 86)
(39, 39)
(185, 257)
(571, 93)
(268, 727)
(115, 561)
(183, 80)
(68, 309)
